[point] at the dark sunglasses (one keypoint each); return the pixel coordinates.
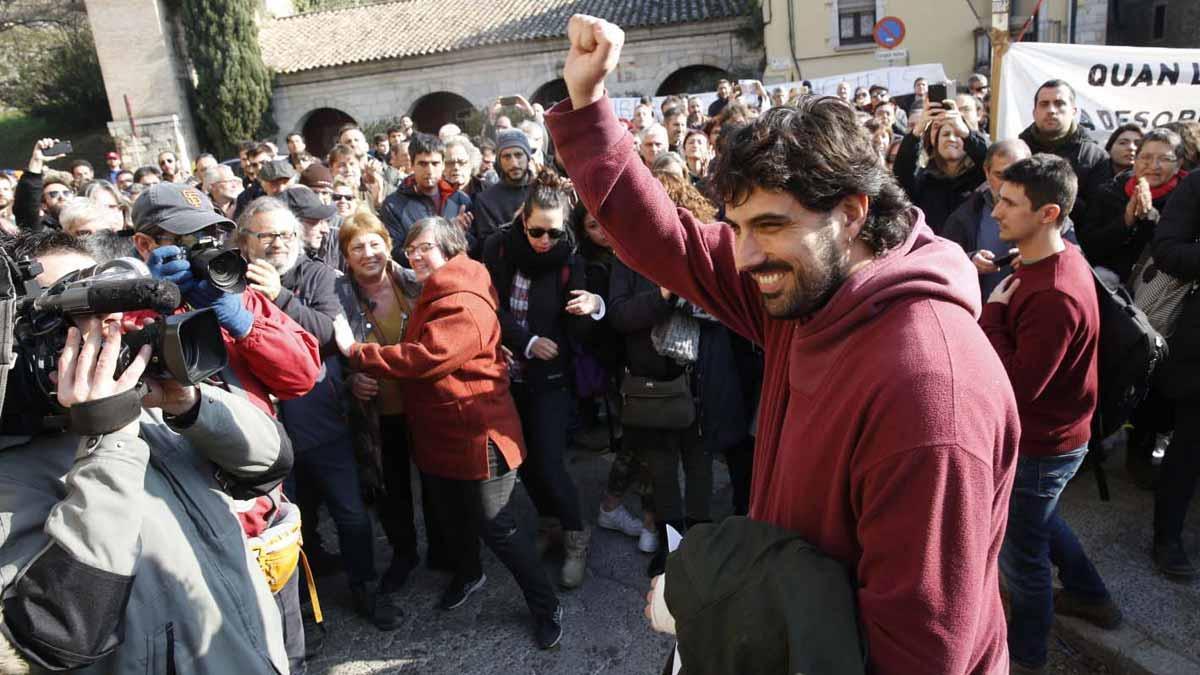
(539, 232)
(341, 198)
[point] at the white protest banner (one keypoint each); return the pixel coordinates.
(898, 79)
(1113, 85)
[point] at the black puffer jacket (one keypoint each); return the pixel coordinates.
(1176, 250)
(937, 194)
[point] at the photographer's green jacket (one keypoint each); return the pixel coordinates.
(121, 554)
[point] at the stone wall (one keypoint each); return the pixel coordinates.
(375, 91)
(1091, 22)
(139, 60)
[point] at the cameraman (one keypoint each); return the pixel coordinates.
(270, 355)
(132, 486)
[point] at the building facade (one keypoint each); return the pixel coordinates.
(1155, 23)
(808, 39)
(440, 60)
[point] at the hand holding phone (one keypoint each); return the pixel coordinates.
(58, 149)
(1006, 259)
(937, 94)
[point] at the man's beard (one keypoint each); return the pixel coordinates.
(288, 263)
(812, 286)
(520, 177)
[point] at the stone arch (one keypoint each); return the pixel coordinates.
(695, 79)
(550, 93)
(320, 129)
(435, 109)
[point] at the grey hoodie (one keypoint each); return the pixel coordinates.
(121, 554)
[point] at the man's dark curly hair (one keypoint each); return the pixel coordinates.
(819, 153)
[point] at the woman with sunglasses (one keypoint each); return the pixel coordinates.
(544, 309)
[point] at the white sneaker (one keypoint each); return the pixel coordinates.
(619, 520)
(648, 541)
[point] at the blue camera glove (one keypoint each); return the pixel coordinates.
(170, 263)
(231, 313)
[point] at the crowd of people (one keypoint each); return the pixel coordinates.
(890, 338)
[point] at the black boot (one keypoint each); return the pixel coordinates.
(1172, 560)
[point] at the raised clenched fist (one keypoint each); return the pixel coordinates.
(595, 50)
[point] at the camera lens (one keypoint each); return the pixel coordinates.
(225, 270)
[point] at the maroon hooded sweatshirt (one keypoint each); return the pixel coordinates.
(888, 430)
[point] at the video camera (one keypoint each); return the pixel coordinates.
(33, 329)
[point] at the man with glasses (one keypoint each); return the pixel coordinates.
(462, 158)
(168, 164)
(978, 86)
(224, 188)
(272, 241)
(38, 199)
(424, 193)
(124, 181)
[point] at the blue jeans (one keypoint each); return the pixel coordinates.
(1036, 538)
(329, 474)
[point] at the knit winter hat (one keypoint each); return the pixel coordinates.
(512, 138)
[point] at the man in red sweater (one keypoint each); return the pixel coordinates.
(1044, 322)
(888, 431)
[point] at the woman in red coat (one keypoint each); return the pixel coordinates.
(465, 429)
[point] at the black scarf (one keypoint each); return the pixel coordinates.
(530, 262)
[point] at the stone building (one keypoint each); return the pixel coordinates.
(438, 60)
(820, 38)
(1154, 23)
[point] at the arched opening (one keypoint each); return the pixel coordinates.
(320, 129)
(693, 80)
(550, 93)
(431, 111)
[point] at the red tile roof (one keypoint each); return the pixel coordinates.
(414, 27)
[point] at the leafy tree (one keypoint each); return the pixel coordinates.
(56, 75)
(233, 86)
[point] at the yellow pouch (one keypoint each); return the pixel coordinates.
(278, 553)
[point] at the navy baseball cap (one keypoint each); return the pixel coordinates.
(176, 208)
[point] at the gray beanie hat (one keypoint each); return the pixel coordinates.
(512, 138)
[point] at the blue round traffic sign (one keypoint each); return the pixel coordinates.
(889, 32)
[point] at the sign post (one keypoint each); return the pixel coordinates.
(1000, 41)
(889, 32)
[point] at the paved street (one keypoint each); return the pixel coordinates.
(605, 630)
